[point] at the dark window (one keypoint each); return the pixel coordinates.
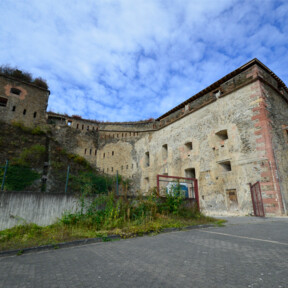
(147, 159)
(222, 135)
(112, 153)
(77, 126)
(85, 151)
(24, 112)
(34, 114)
(164, 151)
(226, 165)
(189, 146)
(103, 155)
(112, 169)
(190, 173)
(14, 108)
(15, 91)
(95, 151)
(3, 101)
(90, 151)
(82, 127)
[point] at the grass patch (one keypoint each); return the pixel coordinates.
(107, 215)
(34, 131)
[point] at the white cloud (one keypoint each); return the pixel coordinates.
(129, 60)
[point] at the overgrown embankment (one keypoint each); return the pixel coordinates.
(38, 163)
(106, 215)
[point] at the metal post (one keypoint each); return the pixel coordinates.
(197, 193)
(67, 178)
(117, 187)
(4, 176)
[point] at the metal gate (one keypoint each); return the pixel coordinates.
(188, 186)
(257, 199)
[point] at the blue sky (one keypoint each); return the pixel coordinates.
(129, 60)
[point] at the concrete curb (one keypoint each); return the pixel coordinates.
(95, 240)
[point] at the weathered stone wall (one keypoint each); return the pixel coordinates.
(29, 107)
(233, 114)
(277, 106)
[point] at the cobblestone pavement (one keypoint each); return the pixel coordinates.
(242, 254)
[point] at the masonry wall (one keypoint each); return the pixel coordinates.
(29, 107)
(276, 103)
(210, 153)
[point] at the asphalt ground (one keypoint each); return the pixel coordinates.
(248, 252)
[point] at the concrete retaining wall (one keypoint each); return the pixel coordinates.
(28, 207)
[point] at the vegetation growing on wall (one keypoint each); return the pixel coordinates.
(30, 156)
(23, 76)
(34, 131)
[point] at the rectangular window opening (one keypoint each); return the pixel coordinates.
(14, 108)
(34, 114)
(3, 101)
(15, 91)
(226, 166)
(147, 159)
(77, 126)
(190, 173)
(222, 135)
(164, 151)
(69, 123)
(103, 155)
(232, 199)
(112, 153)
(24, 112)
(189, 146)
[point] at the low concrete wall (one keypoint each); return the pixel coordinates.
(28, 207)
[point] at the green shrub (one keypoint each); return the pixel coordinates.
(30, 155)
(18, 178)
(37, 131)
(23, 76)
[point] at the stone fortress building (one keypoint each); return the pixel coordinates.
(230, 134)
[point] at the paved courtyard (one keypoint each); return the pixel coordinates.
(248, 252)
